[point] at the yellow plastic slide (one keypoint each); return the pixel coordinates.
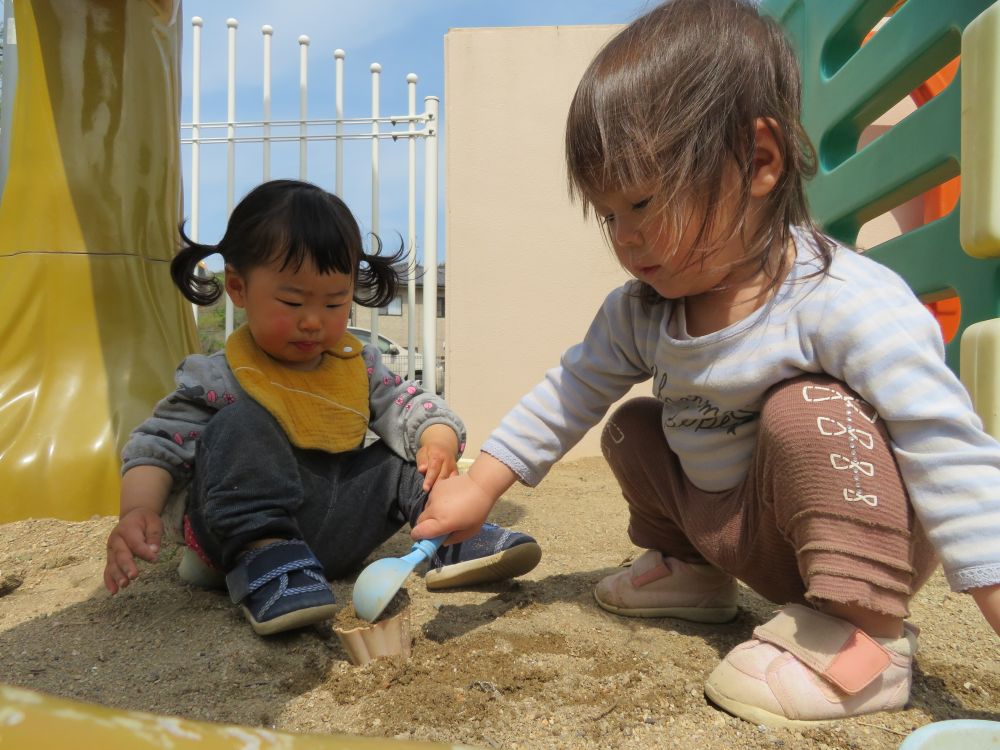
(91, 328)
(40, 722)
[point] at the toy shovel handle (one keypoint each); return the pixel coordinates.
(427, 547)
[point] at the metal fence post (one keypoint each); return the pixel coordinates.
(430, 242)
(303, 103)
(338, 56)
(267, 31)
(411, 223)
(376, 71)
(231, 23)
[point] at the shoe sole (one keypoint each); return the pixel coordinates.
(713, 615)
(512, 562)
(757, 715)
(300, 618)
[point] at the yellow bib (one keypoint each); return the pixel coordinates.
(326, 408)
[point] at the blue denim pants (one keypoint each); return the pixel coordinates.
(251, 483)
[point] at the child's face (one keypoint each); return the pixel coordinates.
(644, 246)
(294, 316)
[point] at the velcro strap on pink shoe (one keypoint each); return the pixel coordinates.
(833, 648)
(648, 567)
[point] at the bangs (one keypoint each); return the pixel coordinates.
(608, 146)
(309, 227)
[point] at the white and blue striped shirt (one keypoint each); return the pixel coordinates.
(859, 323)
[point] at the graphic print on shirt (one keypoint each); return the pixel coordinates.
(698, 412)
(856, 436)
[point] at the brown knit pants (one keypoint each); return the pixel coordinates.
(821, 515)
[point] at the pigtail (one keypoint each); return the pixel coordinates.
(379, 276)
(196, 288)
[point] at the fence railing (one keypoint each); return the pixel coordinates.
(410, 128)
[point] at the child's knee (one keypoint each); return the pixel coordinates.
(634, 417)
(787, 399)
(244, 418)
(796, 412)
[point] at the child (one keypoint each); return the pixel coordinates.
(268, 437)
(805, 437)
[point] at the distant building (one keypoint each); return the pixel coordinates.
(393, 319)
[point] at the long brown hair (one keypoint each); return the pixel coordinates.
(672, 101)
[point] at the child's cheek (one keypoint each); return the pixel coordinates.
(282, 324)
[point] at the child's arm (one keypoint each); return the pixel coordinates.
(988, 599)
(460, 505)
(159, 458)
(548, 420)
(412, 422)
(949, 464)
(139, 530)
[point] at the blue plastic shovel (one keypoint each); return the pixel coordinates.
(378, 583)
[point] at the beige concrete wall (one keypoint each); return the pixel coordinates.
(525, 275)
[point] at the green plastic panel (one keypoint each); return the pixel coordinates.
(846, 86)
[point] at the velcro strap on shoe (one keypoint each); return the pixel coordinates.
(833, 648)
(263, 565)
(648, 567)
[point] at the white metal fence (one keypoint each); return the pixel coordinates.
(376, 128)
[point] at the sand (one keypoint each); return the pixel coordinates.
(527, 664)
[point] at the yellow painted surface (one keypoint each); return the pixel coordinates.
(980, 209)
(41, 722)
(83, 360)
(91, 326)
(980, 364)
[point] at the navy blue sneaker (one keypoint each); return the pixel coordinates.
(494, 554)
(281, 587)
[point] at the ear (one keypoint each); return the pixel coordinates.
(768, 163)
(236, 287)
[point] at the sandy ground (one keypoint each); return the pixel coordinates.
(530, 664)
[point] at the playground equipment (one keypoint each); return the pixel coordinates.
(847, 84)
(32, 720)
(91, 325)
(941, 200)
(850, 76)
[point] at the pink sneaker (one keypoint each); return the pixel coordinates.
(658, 586)
(804, 668)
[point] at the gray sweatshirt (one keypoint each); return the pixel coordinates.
(400, 410)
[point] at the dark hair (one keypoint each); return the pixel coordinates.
(673, 100)
(291, 221)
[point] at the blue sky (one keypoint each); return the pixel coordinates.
(401, 35)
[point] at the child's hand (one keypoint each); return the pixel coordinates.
(456, 506)
(436, 457)
(137, 534)
(459, 506)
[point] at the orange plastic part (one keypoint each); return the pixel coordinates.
(92, 328)
(941, 199)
